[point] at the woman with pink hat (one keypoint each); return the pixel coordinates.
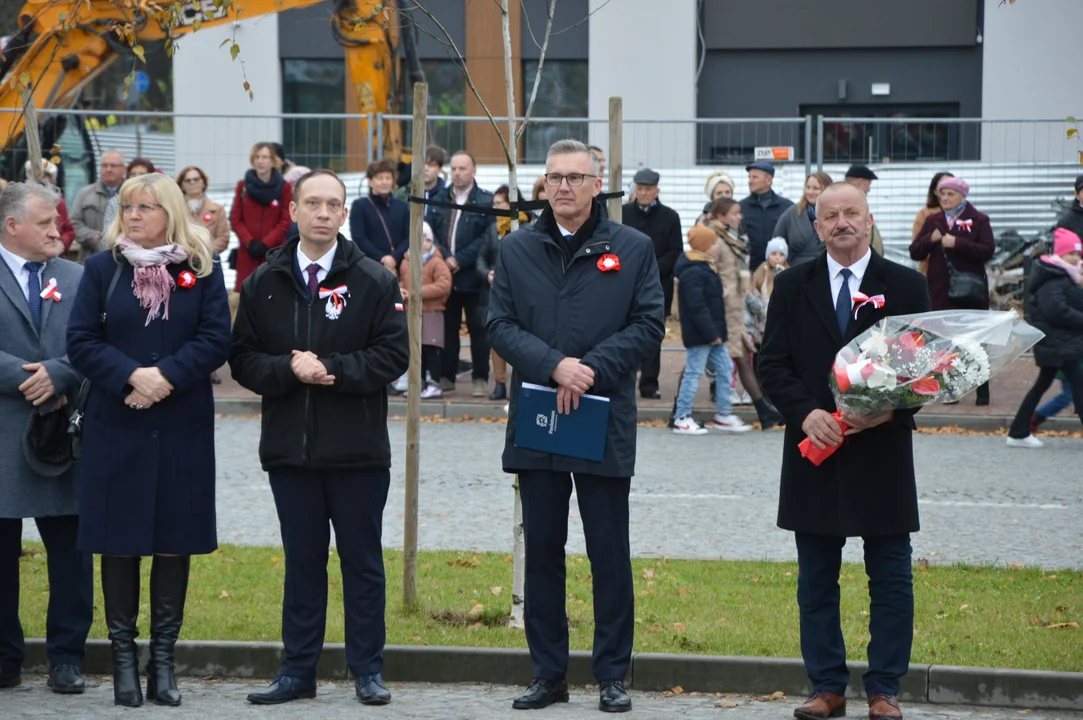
(1056, 308)
(957, 243)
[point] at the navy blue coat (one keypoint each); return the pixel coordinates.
(367, 230)
(760, 220)
(474, 231)
(146, 480)
(699, 300)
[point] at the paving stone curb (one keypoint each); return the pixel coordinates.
(456, 411)
(938, 684)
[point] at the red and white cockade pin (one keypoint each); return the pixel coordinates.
(274, 203)
(336, 300)
(967, 224)
(609, 263)
(51, 292)
(207, 217)
(186, 279)
(861, 299)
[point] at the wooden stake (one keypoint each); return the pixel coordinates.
(413, 399)
(616, 154)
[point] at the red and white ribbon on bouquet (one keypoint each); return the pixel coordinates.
(51, 292)
(967, 224)
(861, 299)
(336, 300)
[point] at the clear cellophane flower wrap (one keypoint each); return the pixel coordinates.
(908, 361)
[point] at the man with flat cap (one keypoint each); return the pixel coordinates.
(761, 211)
(662, 225)
(861, 177)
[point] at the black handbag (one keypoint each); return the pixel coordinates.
(965, 288)
(232, 259)
(75, 420)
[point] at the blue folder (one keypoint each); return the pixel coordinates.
(580, 434)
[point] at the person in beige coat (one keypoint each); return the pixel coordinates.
(731, 257)
(205, 212)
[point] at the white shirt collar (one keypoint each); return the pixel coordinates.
(22, 275)
(858, 268)
(324, 261)
(563, 230)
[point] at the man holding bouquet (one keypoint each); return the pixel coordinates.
(866, 488)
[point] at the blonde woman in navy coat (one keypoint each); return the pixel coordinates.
(146, 484)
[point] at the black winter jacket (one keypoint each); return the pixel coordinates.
(313, 426)
(1056, 308)
(760, 219)
(544, 308)
(663, 226)
(474, 231)
(1072, 219)
(699, 299)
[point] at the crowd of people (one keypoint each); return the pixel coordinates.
(121, 349)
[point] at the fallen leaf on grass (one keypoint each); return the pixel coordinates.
(648, 573)
(1063, 625)
(475, 612)
(224, 595)
(496, 590)
(680, 627)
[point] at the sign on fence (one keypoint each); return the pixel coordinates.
(784, 154)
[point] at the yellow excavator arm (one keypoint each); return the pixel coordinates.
(62, 45)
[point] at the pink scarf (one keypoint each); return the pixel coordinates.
(152, 283)
(1058, 261)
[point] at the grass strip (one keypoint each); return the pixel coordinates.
(1006, 616)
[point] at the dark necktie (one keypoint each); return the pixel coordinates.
(313, 281)
(33, 294)
(842, 302)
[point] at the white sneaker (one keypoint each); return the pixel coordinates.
(1028, 442)
(432, 391)
(403, 383)
(728, 423)
(687, 426)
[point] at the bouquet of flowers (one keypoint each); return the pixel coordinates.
(909, 361)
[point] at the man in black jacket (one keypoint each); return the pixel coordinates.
(761, 211)
(1072, 218)
(461, 235)
(663, 226)
(576, 304)
(320, 332)
(867, 487)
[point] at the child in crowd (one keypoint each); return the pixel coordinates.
(763, 284)
(435, 289)
(703, 330)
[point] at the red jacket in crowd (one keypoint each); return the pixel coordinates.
(252, 221)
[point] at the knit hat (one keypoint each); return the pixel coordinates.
(701, 238)
(1065, 241)
(777, 244)
(426, 230)
(954, 183)
(721, 177)
(1078, 183)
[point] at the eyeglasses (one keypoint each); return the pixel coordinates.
(143, 208)
(193, 180)
(574, 179)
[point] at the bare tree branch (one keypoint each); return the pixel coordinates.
(589, 15)
(541, 64)
(461, 60)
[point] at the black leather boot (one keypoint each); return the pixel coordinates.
(120, 591)
(168, 588)
(769, 417)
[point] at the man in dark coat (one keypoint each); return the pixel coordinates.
(867, 488)
(1072, 218)
(36, 379)
(320, 333)
(663, 226)
(576, 304)
(761, 211)
(461, 235)
(380, 223)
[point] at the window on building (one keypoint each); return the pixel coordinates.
(885, 141)
(561, 94)
(314, 86)
(447, 97)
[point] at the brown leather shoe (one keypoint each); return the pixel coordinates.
(821, 705)
(884, 707)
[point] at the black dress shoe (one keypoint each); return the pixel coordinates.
(541, 694)
(613, 698)
(372, 691)
(500, 392)
(651, 395)
(67, 680)
(283, 689)
(10, 677)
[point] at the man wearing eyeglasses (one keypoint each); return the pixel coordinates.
(576, 304)
(88, 212)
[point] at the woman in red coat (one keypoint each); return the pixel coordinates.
(260, 215)
(962, 237)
